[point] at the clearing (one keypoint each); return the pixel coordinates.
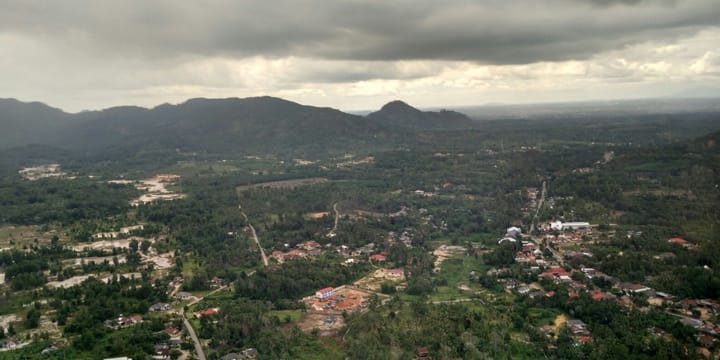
(155, 188)
(374, 281)
(326, 315)
(41, 172)
(283, 184)
(445, 252)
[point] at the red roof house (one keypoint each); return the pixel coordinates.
(677, 240)
(378, 257)
(209, 312)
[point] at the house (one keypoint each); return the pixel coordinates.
(325, 293)
(694, 323)
(664, 256)
(161, 352)
(507, 239)
(658, 332)
(577, 327)
(523, 290)
(309, 245)
(11, 343)
(556, 273)
(575, 226)
(678, 240)
(172, 330)
(589, 272)
(597, 295)
(706, 341)
(378, 257)
(295, 254)
(183, 295)
(394, 273)
(422, 353)
(209, 312)
(247, 354)
(49, 350)
(634, 288)
(159, 307)
(513, 232)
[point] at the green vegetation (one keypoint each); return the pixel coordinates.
(639, 180)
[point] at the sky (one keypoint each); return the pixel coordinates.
(352, 55)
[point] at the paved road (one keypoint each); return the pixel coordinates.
(254, 234)
(455, 301)
(191, 331)
(198, 346)
(539, 205)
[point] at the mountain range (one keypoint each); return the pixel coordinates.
(250, 125)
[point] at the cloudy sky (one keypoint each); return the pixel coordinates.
(77, 54)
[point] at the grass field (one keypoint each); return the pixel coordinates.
(295, 315)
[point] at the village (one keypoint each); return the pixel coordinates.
(553, 256)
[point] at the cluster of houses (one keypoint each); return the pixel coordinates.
(123, 321)
(246, 354)
(531, 194)
(301, 251)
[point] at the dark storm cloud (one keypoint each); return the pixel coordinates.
(492, 31)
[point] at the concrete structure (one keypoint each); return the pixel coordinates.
(325, 293)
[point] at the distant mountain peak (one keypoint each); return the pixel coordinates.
(397, 105)
(398, 113)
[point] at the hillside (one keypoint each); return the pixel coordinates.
(251, 125)
(24, 123)
(262, 124)
(401, 115)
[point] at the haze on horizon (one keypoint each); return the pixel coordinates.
(81, 54)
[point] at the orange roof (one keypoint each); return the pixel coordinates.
(677, 240)
(208, 312)
(327, 289)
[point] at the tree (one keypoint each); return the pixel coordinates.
(32, 319)
(133, 245)
(145, 246)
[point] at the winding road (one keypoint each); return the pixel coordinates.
(254, 234)
(191, 331)
(337, 220)
(198, 346)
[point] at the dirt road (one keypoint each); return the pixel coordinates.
(337, 220)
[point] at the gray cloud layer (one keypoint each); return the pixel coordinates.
(491, 31)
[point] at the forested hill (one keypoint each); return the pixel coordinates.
(256, 125)
(251, 125)
(24, 123)
(402, 115)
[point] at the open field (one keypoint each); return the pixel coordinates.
(41, 172)
(374, 281)
(283, 184)
(19, 235)
(76, 280)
